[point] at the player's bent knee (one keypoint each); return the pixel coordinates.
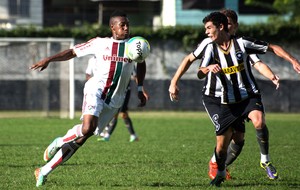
(124, 115)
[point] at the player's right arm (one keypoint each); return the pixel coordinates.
(62, 56)
(183, 67)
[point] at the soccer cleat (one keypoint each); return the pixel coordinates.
(133, 139)
(217, 181)
(40, 179)
(270, 169)
(103, 139)
(102, 134)
(228, 176)
(51, 150)
(213, 170)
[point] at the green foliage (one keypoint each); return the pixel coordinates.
(283, 7)
(173, 153)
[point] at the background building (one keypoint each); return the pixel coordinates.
(45, 13)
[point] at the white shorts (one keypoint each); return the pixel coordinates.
(94, 105)
(105, 117)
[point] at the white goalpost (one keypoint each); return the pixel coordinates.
(52, 90)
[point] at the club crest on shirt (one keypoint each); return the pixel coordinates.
(90, 107)
(239, 55)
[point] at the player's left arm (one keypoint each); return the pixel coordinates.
(279, 51)
(266, 71)
(140, 76)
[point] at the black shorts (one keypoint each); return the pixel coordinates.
(224, 116)
(124, 107)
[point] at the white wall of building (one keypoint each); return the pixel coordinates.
(3, 10)
(168, 12)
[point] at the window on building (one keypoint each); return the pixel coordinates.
(203, 4)
(19, 8)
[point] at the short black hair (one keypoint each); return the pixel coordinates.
(118, 13)
(217, 18)
(230, 14)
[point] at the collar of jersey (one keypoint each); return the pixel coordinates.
(227, 50)
(120, 41)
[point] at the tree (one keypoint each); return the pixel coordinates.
(288, 8)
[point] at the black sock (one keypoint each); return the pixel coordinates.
(234, 150)
(112, 125)
(220, 158)
(129, 126)
(262, 136)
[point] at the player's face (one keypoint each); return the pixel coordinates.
(211, 30)
(232, 26)
(120, 28)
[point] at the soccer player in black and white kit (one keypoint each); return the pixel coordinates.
(238, 138)
(230, 95)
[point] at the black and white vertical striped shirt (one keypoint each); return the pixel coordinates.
(236, 81)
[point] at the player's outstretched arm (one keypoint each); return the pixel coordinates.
(183, 67)
(62, 56)
(279, 51)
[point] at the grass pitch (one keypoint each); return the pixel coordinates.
(173, 153)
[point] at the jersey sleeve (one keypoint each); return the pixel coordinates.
(198, 52)
(207, 56)
(253, 46)
(86, 48)
(253, 58)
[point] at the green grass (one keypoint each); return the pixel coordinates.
(173, 153)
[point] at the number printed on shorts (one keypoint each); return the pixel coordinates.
(215, 119)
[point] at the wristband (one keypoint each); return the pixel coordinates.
(140, 88)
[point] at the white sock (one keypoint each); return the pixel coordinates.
(71, 135)
(213, 158)
(264, 158)
(60, 157)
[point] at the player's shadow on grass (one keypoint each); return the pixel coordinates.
(289, 183)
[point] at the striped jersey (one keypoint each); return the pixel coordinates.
(236, 82)
(112, 69)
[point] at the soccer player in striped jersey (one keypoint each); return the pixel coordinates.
(230, 94)
(123, 111)
(237, 142)
(238, 138)
(103, 94)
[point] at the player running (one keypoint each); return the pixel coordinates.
(103, 94)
